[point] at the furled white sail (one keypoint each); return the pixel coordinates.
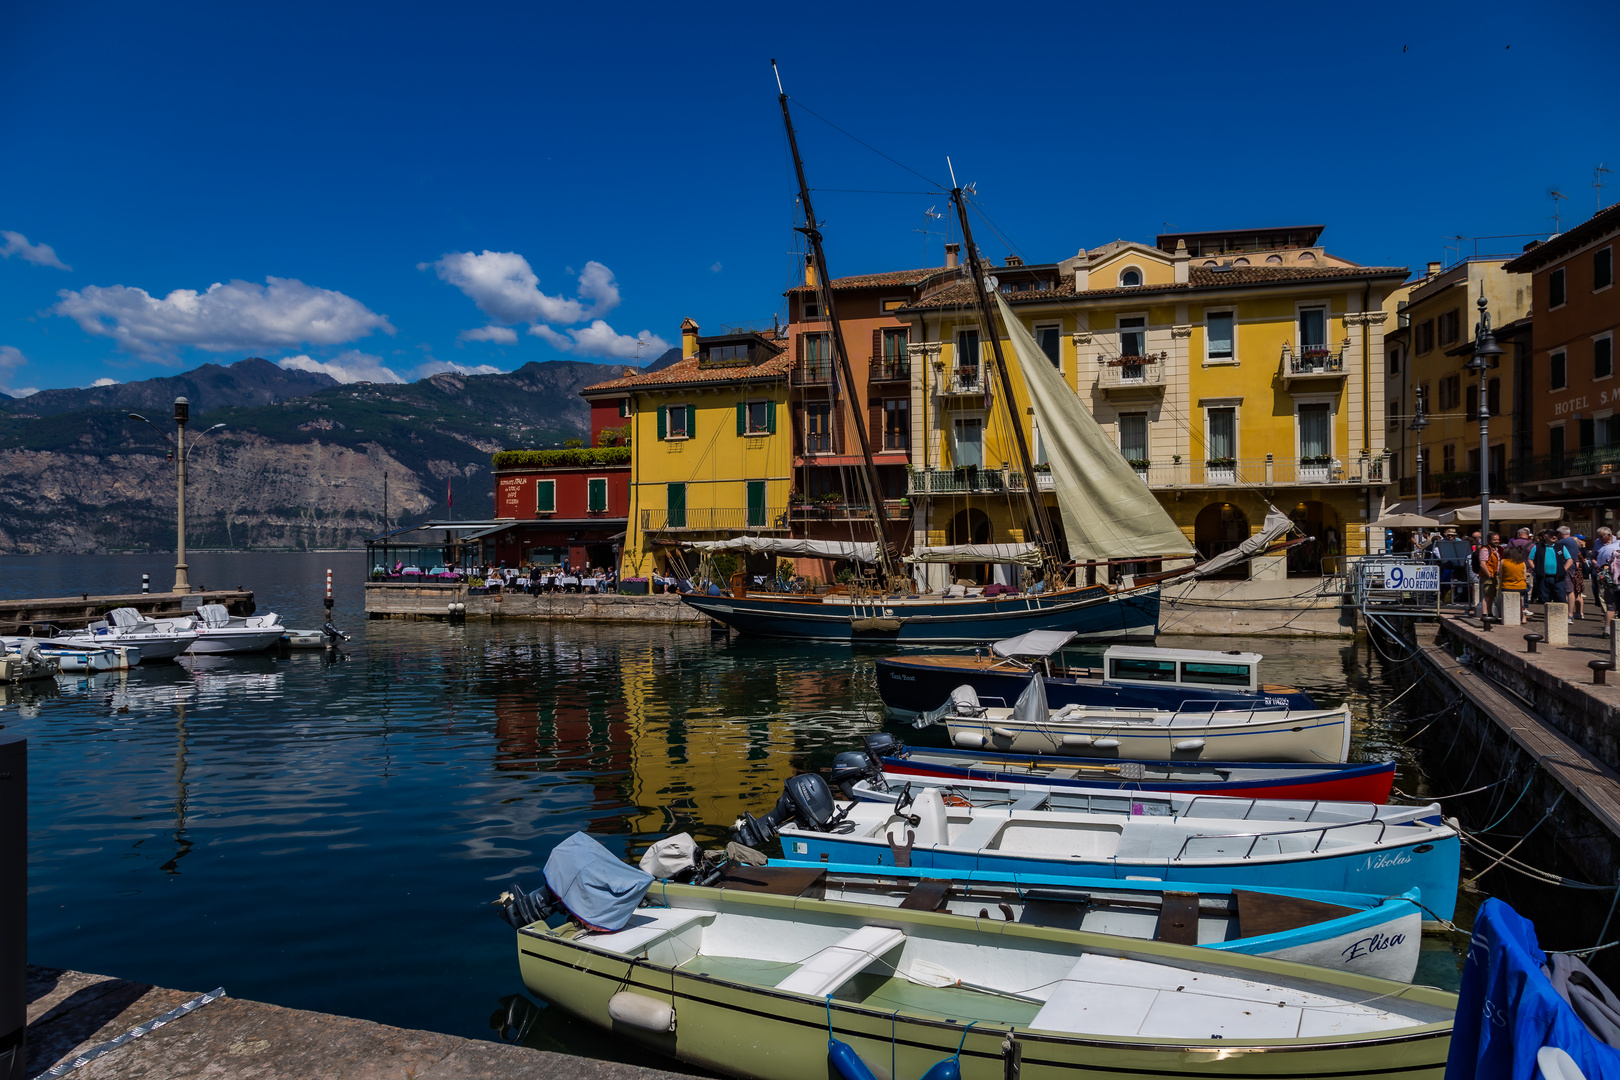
(1023, 554)
(1108, 512)
(820, 549)
(1277, 523)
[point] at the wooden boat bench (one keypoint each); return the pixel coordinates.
(832, 967)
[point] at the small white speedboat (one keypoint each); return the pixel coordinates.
(80, 657)
(127, 626)
(218, 631)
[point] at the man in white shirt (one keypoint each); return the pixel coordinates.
(1608, 593)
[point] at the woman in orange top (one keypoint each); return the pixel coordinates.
(1513, 578)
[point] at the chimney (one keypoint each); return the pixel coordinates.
(1014, 260)
(689, 336)
(1182, 261)
(1434, 270)
(810, 270)
(951, 259)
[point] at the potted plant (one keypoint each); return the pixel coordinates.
(1220, 462)
(1317, 459)
(1140, 464)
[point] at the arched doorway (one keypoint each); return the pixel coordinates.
(1221, 527)
(970, 527)
(1321, 522)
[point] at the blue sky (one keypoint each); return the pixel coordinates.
(340, 171)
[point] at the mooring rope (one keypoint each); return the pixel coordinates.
(81, 1060)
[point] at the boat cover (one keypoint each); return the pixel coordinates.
(214, 615)
(598, 890)
(1277, 523)
(1508, 1008)
(1034, 643)
(1031, 707)
(1022, 554)
(1108, 512)
(782, 545)
(124, 616)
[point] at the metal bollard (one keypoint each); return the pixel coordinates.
(1530, 642)
(1600, 669)
(13, 905)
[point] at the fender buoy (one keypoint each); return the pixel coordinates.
(846, 1062)
(640, 1011)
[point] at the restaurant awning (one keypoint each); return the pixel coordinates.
(1502, 511)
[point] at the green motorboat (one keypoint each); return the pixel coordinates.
(751, 984)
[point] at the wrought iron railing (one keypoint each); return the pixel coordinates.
(1310, 360)
(715, 519)
(813, 373)
(1593, 461)
(964, 380)
(889, 369)
(1129, 374)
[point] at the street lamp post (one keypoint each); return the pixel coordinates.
(1419, 422)
(182, 413)
(1486, 354)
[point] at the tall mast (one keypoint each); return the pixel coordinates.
(1051, 558)
(813, 233)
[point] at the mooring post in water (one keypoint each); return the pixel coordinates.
(146, 583)
(13, 904)
(329, 592)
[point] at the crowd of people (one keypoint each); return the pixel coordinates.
(1552, 566)
(537, 579)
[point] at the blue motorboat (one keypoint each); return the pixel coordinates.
(1131, 677)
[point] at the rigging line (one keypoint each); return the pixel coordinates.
(868, 145)
(878, 191)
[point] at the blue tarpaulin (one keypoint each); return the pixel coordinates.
(1508, 1009)
(598, 889)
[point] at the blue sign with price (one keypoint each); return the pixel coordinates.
(1412, 578)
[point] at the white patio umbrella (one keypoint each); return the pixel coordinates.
(1503, 511)
(1406, 521)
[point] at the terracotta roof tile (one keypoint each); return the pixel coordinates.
(685, 372)
(1566, 242)
(872, 281)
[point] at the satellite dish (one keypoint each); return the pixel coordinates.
(990, 283)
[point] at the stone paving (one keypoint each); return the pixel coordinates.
(231, 1039)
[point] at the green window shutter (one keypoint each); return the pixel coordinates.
(677, 506)
(770, 416)
(691, 421)
(663, 423)
(598, 494)
(756, 504)
(742, 417)
(545, 496)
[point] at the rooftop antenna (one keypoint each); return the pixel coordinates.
(1555, 195)
(1598, 174)
(929, 215)
(1456, 245)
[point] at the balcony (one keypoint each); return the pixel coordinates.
(890, 370)
(714, 519)
(819, 442)
(972, 480)
(813, 373)
(838, 510)
(1313, 362)
(1595, 469)
(962, 381)
(896, 442)
(1265, 472)
(1128, 373)
(1452, 485)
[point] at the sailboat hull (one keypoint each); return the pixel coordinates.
(1091, 613)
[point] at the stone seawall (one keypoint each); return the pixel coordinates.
(388, 600)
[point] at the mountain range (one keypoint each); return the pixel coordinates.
(300, 462)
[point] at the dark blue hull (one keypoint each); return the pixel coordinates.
(1091, 613)
(911, 685)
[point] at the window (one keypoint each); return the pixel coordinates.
(1394, 367)
(1130, 279)
(1402, 319)
(1132, 335)
(1049, 338)
(756, 504)
(1315, 431)
(1493, 397)
(1602, 431)
(624, 407)
(815, 356)
(1423, 337)
(1222, 423)
(967, 355)
(1450, 392)
(1123, 668)
(969, 442)
(1473, 402)
(1218, 331)
(1312, 329)
(896, 424)
(1392, 412)
(1448, 458)
(817, 427)
(1556, 443)
(1450, 327)
(1240, 676)
(675, 422)
(545, 497)
(1602, 268)
(894, 345)
(728, 354)
(1558, 371)
(677, 506)
(756, 417)
(1555, 288)
(1602, 357)
(596, 495)
(810, 305)
(1133, 437)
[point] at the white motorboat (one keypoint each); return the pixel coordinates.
(77, 657)
(25, 664)
(1246, 732)
(218, 631)
(127, 626)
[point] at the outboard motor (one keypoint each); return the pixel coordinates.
(806, 801)
(333, 634)
(524, 908)
(881, 745)
(853, 766)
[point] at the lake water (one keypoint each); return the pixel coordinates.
(329, 833)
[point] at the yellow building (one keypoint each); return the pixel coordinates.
(1427, 352)
(711, 449)
(1234, 369)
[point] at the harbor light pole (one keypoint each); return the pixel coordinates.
(1486, 355)
(1419, 422)
(178, 454)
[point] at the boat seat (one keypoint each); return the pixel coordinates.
(1062, 774)
(1033, 800)
(835, 965)
(978, 833)
(647, 927)
(1178, 919)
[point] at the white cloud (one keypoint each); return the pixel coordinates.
(505, 288)
(600, 339)
(437, 367)
(716, 268)
(38, 254)
(240, 315)
(501, 335)
(349, 367)
(105, 382)
(11, 358)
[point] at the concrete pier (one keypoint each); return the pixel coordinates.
(394, 600)
(70, 1012)
(76, 612)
